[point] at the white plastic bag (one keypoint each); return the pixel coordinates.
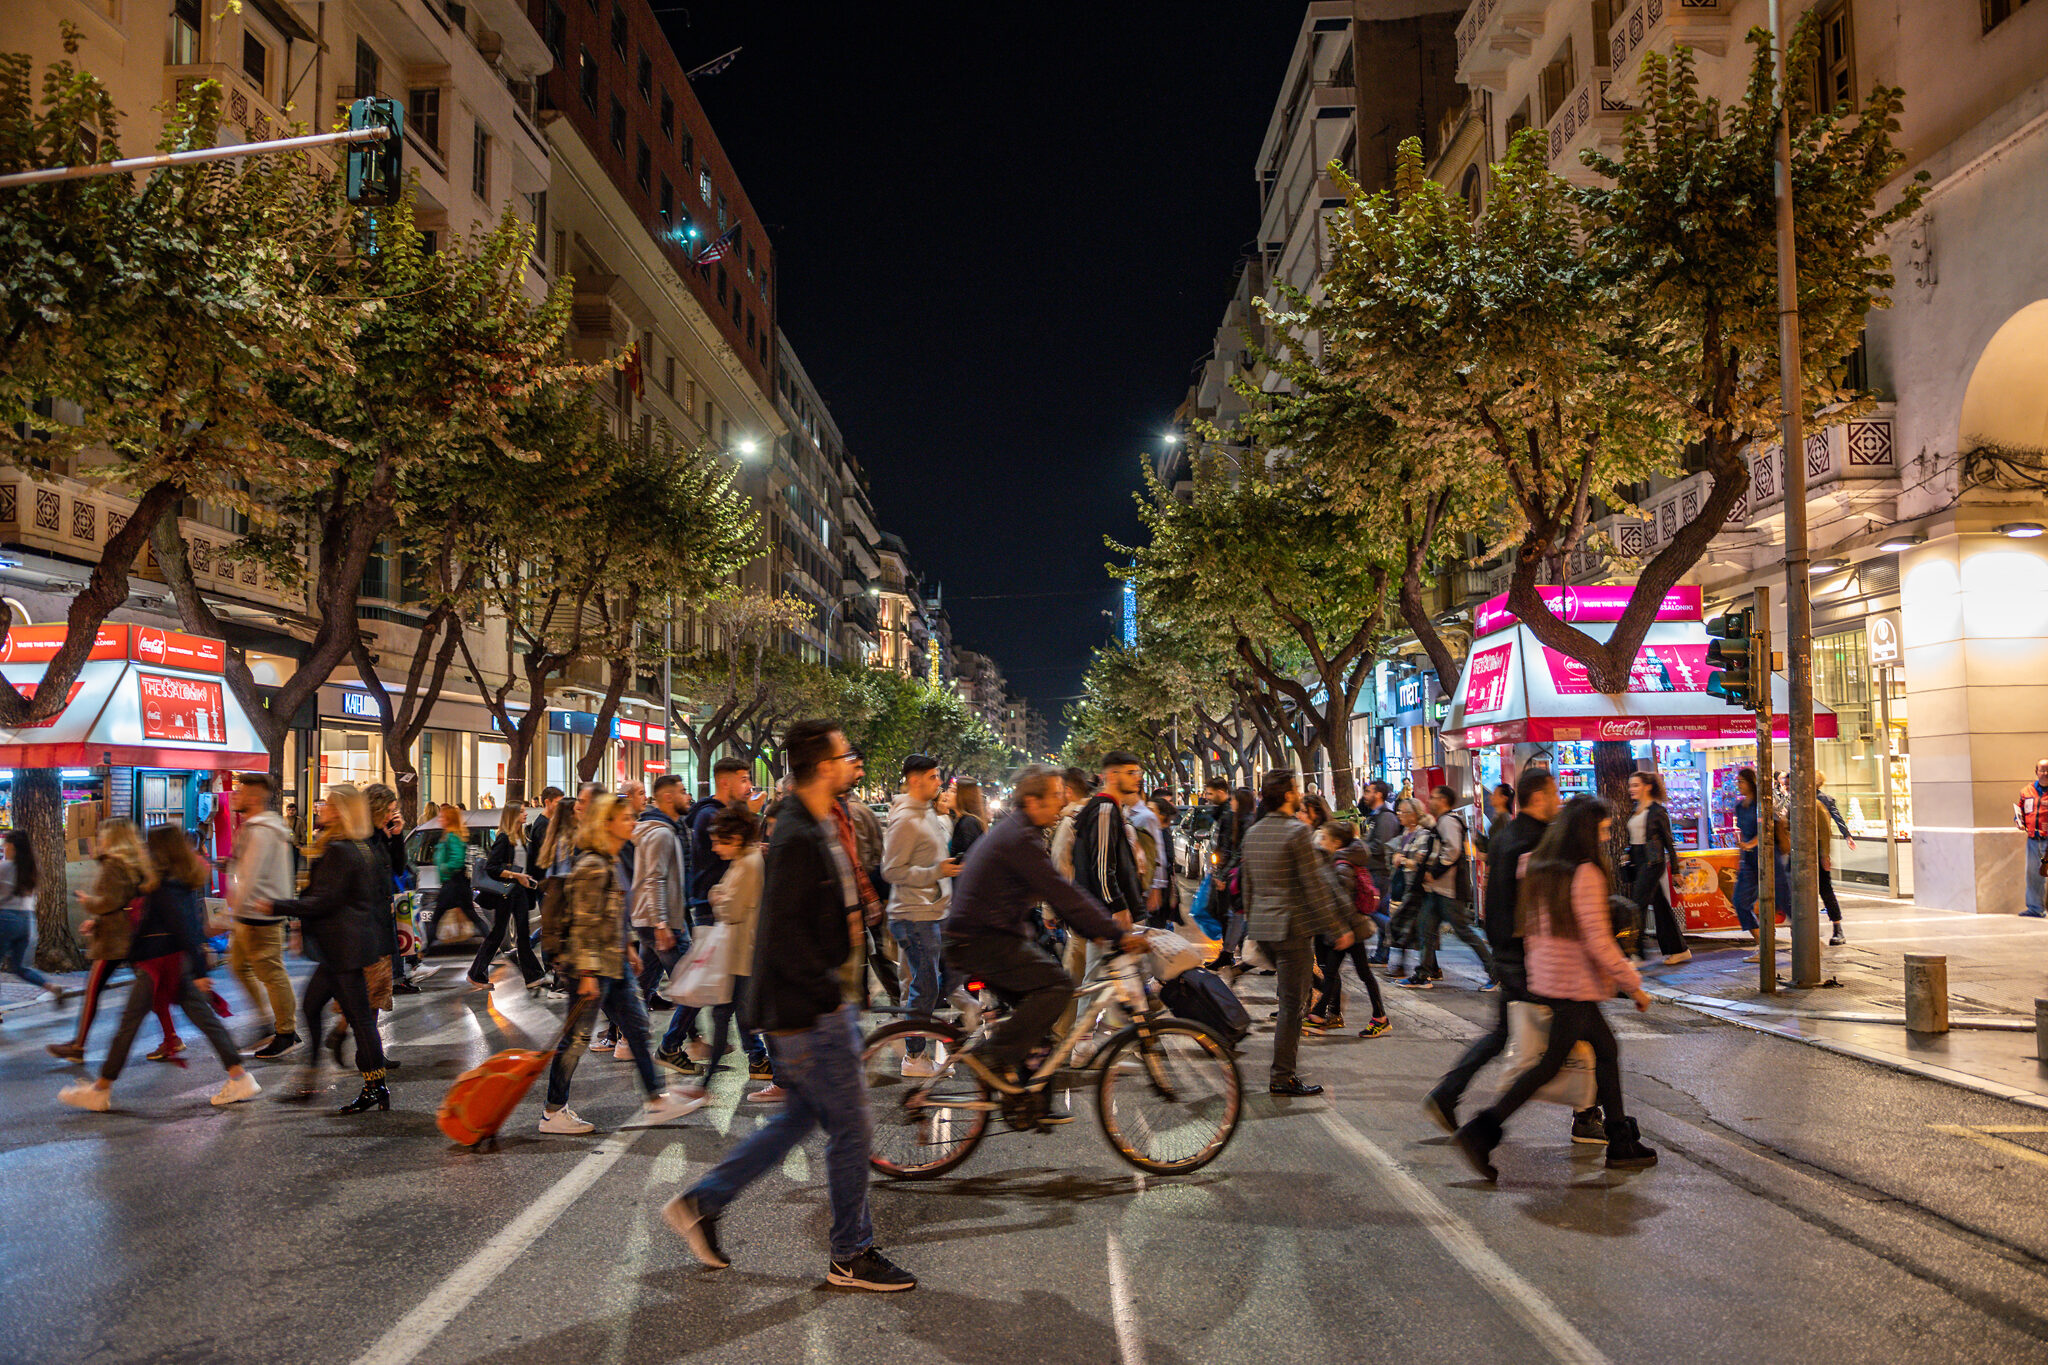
(1168, 954)
(1528, 1036)
(701, 977)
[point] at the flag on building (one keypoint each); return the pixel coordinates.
(721, 248)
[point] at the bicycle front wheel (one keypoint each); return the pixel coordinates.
(929, 1114)
(1169, 1096)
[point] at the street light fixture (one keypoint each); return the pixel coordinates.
(1894, 544)
(2021, 530)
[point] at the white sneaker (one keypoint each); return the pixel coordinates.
(237, 1089)
(622, 1053)
(970, 1009)
(919, 1067)
(604, 1042)
(86, 1095)
(564, 1123)
(666, 1107)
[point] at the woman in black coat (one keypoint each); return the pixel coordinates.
(1652, 852)
(340, 916)
(506, 862)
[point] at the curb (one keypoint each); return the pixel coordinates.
(1996, 1023)
(1961, 1080)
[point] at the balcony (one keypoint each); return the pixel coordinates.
(1854, 465)
(1660, 26)
(72, 520)
(241, 104)
(1492, 34)
(1591, 116)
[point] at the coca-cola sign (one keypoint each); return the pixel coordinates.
(1625, 727)
(189, 710)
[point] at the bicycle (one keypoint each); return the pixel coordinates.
(1167, 1090)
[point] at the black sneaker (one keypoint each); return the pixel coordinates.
(677, 1060)
(1837, 939)
(1587, 1128)
(1443, 1112)
(404, 988)
(870, 1270)
(696, 1227)
(760, 1071)
(278, 1046)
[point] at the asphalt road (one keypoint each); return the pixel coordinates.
(1809, 1207)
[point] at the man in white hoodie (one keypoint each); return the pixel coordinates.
(919, 873)
(262, 869)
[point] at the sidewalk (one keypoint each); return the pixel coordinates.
(1997, 965)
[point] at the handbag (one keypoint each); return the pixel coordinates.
(1528, 1038)
(481, 880)
(701, 977)
(1168, 954)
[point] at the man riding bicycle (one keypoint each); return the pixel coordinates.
(988, 931)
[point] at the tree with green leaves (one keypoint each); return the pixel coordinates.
(1576, 340)
(1294, 588)
(737, 682)
(146, 323)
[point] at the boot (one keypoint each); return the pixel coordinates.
(1625, 1149)
(1476, 1141)
(376, 1095)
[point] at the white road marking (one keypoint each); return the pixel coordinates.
(1523, 1301)
(417, 1330)
(1130, 1339)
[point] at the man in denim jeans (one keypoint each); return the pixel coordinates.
(813, 904)
(919, 873)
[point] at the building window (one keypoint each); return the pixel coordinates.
(1518, 120)
(537, 210)
(430, 241)
(1603, 23)
(643, 161)
(750, 327)
(1834, 72)
(256, 62)
(1997, 12)
(480, 163)
(721, 284)
(1560, 78)
(689, 150)
(619, 29)
(704, 184)
(668, 119)
(618, 127)
(423, 115)
(668, 375)
(366, 70)
(646, 79)
(586, 80)
(668, 201)
(721, 215)
(1469, 189)
(554, 29)
(185, 32)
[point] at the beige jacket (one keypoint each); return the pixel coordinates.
(736, 903)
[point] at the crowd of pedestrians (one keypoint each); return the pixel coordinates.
(797, 908)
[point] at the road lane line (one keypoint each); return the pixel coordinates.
(1523, 1301)
(418, 1329)
(1130, 1339)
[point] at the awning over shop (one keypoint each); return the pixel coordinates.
(145, 698)
(1516, 689)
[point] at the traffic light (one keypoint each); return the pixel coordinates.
(1731, 657)
(376, 170)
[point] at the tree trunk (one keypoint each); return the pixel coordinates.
(1612, 763)
(39, 806)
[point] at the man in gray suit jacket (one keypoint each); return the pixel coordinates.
(1288, 900)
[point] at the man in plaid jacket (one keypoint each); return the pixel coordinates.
(1288, 900)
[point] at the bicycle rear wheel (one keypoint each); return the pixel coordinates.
(922, 1125)
(1169, 1096)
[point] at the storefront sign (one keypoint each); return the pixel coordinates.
(183, 709)
(115, 640)
(1408, 696)
(1658, 668)
(359, 704)
(627, 729)
(578, 723)
(1486, 679)
(1881, 637)
(1601, 602)
(655, 734)
(653, 767)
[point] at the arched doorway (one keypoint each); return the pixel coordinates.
(2005, 408)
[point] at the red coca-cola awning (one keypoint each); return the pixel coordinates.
(1516, 689)
(145, 698)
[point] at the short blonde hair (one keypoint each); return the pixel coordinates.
(595, 835)
(120, 842)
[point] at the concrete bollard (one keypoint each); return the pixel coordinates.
(1926, 993)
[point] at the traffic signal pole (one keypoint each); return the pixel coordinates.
(1804, 911)
(194, 157)
(1766, 817)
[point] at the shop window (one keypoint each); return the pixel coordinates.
(441, 768)
(355, 756)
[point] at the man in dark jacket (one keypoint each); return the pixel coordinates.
(811, 911)
(731, 783)
(988, 932)
(1510, 846)
(1105, 853)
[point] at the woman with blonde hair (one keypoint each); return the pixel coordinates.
(110, 929)
(595, 953)
(339, 917)
(170, 966)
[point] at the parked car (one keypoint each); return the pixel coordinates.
(480, 828)
(1195, 826)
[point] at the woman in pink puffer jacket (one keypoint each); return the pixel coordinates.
(1574, 964)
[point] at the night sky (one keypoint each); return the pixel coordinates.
(1003, 249)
